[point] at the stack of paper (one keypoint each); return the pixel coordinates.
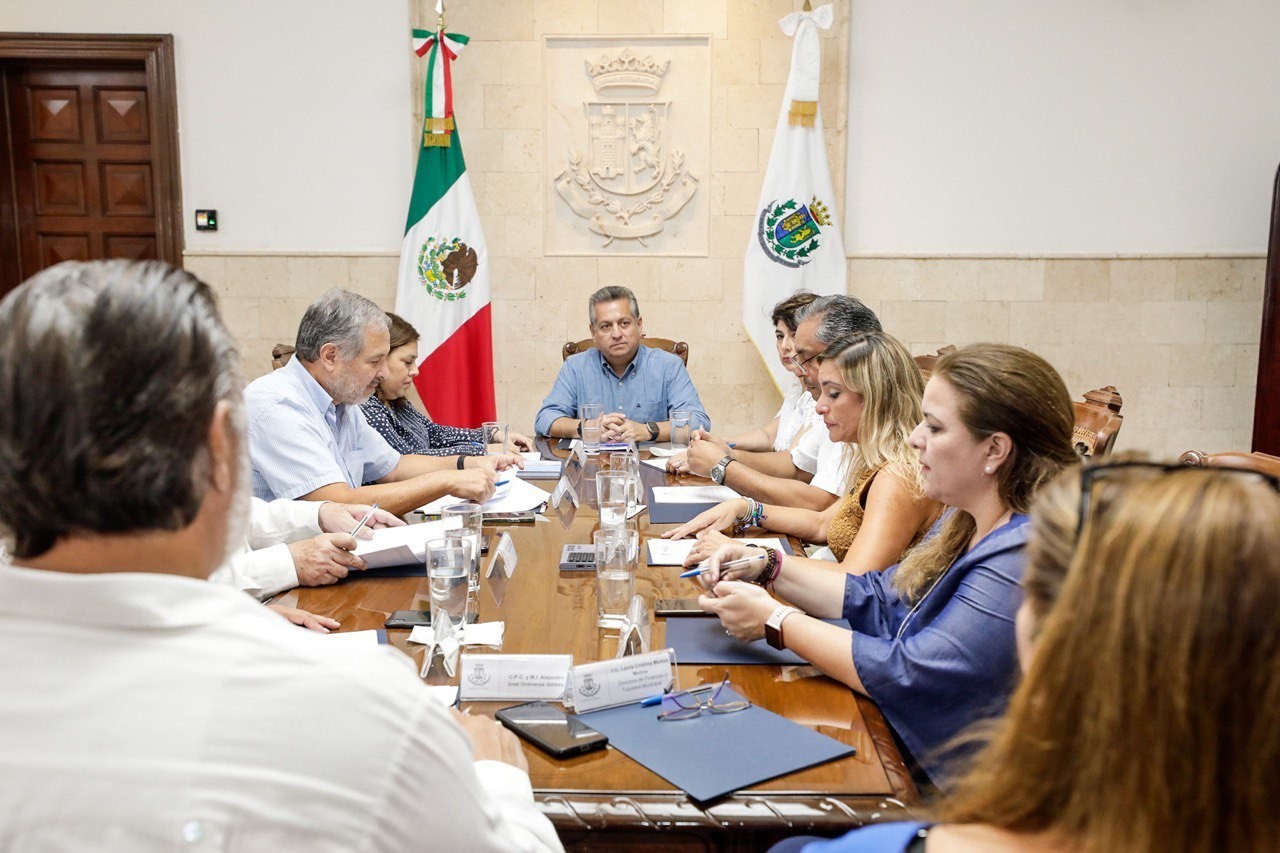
(516, 496)
(673, 552)
(398, 546)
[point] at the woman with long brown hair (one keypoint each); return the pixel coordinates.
(1146, 717)
(930, 639)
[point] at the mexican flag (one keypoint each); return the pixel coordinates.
(443, 288)
(795, 242)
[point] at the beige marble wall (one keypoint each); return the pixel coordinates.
(1177, 336)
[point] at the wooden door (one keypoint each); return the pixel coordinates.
(90, 133)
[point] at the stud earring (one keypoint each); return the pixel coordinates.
(988, 470)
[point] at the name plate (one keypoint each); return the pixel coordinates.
(504, 555)
(622, 681)
(564, 487)
(495, 677)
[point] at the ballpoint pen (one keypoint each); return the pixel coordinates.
(732, 564)
(657, 700)
(368, 516)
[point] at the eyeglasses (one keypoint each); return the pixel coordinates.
(800, 363)
(709, 698)
(1091, 474)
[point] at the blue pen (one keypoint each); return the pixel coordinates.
(732, 564)
(657, 700)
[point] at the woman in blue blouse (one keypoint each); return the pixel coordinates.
(930, 639)
(404, 427)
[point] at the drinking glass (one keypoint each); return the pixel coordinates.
(495, 438)
(468, 518)
(617, 556)
(591, 414)
(613, 489)
(679, 429)
(448, 567)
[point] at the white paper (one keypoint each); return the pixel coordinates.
(446, 694)
(672, 552)
(665, 449)
(475, 634)
(515, 496)
(398, 546)
(530, 455)
(354, 638)
(621, 681)
(493, 677)
(660, 464)
(693, 494)
(504, 555)
(542, 469)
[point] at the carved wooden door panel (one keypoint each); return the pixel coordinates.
(83, 176)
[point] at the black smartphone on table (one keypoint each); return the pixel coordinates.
(414, 618)
(678, 607)
(550, 729)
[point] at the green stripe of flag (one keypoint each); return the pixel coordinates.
(438, 169)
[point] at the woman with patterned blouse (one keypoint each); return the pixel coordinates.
(404, 427)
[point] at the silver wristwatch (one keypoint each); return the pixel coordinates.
(717, 470)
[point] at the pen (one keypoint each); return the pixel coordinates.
(732, 564)
(657, 700)
(368, 516)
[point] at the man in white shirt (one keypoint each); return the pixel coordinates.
(812, 475)
(143, 707)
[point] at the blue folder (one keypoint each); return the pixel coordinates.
(673, 513)
(704, 641)
(704, 756)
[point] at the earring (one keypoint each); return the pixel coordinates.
(988, 470)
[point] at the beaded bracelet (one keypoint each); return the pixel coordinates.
(772, 568)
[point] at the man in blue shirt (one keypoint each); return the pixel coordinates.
(637, 386)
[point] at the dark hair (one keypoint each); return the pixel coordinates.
(785, 311)
(612, 293)
(338, 317)
(129, 361)
(838, 317)
(402, 331)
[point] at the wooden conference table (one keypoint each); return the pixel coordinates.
(604, 799)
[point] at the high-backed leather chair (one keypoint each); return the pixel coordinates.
(1098, 420)
(280, 355)
(679, 348)
(1263, 463)
(928, 362)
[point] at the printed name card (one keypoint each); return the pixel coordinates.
(500, 677)
(621, 681)
(505, 555)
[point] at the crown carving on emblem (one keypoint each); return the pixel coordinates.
(819, 212)
(627, 70)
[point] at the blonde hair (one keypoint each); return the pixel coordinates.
(1003, 389)
(878, 367)
(1146, 718)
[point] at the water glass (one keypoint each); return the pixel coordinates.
(448, 567)
(613, 489)
(591, 414)
(468, 518)
(617, 558)
(495, 438)
(679, 430)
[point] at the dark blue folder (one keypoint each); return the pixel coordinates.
(704, 641)
(704, 756)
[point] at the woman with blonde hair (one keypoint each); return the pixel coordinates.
(931, 639)
(1145, 720)
(870, 397)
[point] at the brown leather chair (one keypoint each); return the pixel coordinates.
(1263, 463)
(679, 348)
(1098, 420)
(928, 362)
(280, 355)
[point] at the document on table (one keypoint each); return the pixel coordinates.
(368, 639)
(515, 496)
(672, 552)
(693, 494)
(398, 546)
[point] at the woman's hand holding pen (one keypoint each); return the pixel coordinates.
(732, 561)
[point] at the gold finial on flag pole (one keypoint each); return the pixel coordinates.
(440, 14)
(807, 7)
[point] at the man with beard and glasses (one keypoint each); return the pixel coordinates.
(143, 707)
(309, 441)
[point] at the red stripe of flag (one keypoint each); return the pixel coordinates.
(466, 400)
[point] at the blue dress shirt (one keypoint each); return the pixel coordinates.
(299, 440)
(949, 661)
(651, 386)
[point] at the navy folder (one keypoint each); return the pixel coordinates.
(703, 756)
(704, 641)
(673, 513)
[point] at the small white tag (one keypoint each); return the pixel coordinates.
(622, 681)
(563, 487)
(514, 676)
(504, 554)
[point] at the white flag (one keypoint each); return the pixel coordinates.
(796, 242)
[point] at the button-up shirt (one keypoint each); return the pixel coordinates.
(299, 440)
(653, 385)
(150, 712)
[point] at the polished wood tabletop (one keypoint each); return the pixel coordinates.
(605, 794)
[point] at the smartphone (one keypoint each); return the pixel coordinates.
(577, 558)
(414, 618)
(510, 517)
(678, 607)
(551, 729)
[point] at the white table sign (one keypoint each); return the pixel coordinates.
(621, 681)
(494, 677)
(504, 554)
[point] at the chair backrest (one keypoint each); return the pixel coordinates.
(1263, 463)
(1098, 420)
(280, 355)
(928, 362)
(679, 348)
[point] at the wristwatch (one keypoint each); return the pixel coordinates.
(653, 430)
(773, 625)
(717, 470)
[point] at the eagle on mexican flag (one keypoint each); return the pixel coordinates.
(443, 287)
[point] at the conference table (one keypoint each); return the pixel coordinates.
(604, 799)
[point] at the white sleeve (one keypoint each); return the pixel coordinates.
(805, 454)
(260, 573)
(282, 521)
